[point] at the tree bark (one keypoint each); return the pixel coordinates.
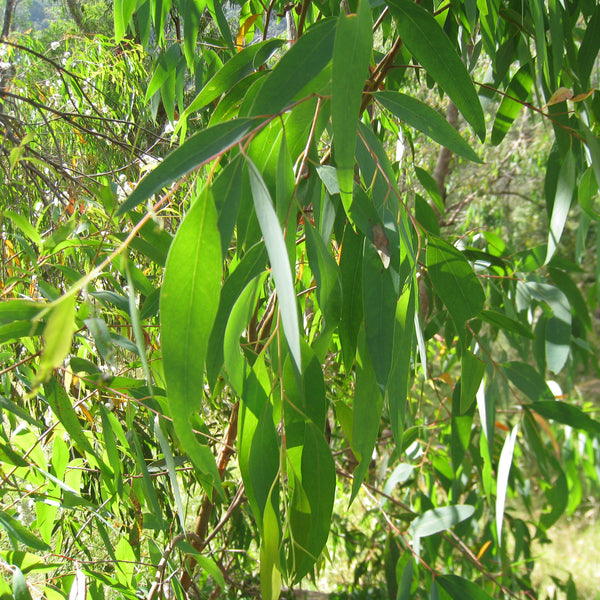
(8, 15)
(443, 162)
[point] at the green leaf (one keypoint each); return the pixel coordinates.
(455, 282)
(24, 225)
(429, 44)
(250, 266)
(19, 534)
(165, 68)
(459, 588)
(379, 305)
(351, 56)
(302, 63)
(397, 386)
(351, 279)
(528, 380)
(20, 588)
(567, 414)
(517, 93)
(589, 48)
(280, 263)
(61, 406)
(561, 203)
(502, 322)
(270, 575)
(504, 464)
(188, 306)
(471, 375)
(235, 69)
(327, 277)
(58, 336)
(425, 119)
(368, 404)
(439, 519)
(318, 483)
(198, 150)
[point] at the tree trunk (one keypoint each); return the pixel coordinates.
(8, 15)
(443, 162)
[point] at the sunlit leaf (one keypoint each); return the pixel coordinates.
(504, 465)
(188, 306)
(278, 257)
(439, 519)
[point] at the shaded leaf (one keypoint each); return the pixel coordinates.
(439, 519)
(528, 380)
(459, 588)
(427, 120)
(17, 533)
(567, 414)
(455, 282)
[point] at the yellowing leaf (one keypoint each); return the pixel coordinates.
(244, 29)
(560, 95)
(582, 96)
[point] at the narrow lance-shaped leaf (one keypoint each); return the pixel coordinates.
(439, 519)
(368, 404)
(278, 257)
(427, 120)
(561, 203)
(198, 150)
(429, 44)
(351, 56)
(188, 305)
(58, 335)
(506, 457)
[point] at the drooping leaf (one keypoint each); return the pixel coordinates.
(194, 152)
(429, 44)
(455, 282)
(351, 55)
(368, 404)
(504, 465)
(397, 386)
(503, 322)
(561, 203)
(427, 120)
(352, 306)
(188, 306)
(318, 481)
(58, 336)
(61, 406)
(471, 375)
(278, 257)
(379, 305)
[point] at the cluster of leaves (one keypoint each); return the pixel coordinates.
(274, 289)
